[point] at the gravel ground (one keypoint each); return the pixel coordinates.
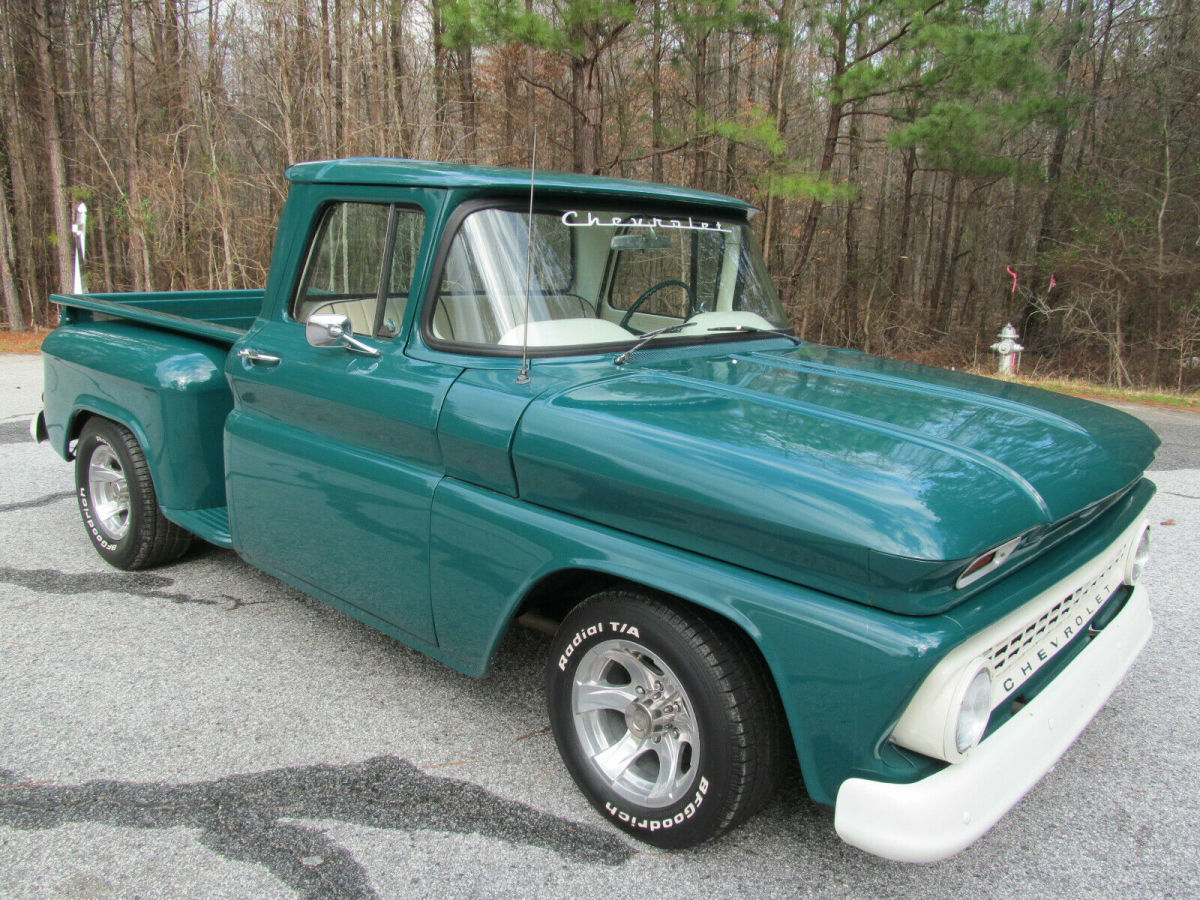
(203, 730)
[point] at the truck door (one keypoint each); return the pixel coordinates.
(331, 453)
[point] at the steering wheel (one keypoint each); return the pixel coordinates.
(649, 292)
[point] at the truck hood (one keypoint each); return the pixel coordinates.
(824, 467)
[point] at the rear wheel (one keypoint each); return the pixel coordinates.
(117, 500)
(664, 717)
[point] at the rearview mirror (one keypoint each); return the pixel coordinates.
(641, 242)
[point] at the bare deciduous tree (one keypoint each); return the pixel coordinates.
(905, 153)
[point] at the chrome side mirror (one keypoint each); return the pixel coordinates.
(335, 330)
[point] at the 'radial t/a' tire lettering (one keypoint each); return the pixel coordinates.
(664, 717)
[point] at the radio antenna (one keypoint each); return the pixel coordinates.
(523, 375)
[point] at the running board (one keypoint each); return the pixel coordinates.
(211, 524)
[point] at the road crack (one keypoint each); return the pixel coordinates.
(134, 584)
(253, 818)
(34, 504)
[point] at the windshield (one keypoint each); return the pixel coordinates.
(600, 277)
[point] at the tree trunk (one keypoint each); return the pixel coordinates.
(731, 111)
(938, 301)
(439, 77)
(656, 123)
(530, 95)
(398, 72)
(585, 123)
(139, 253)
(901, 264)
(700, 93)
(26, 160)
(510, 153)
(8, 285)
(466, 100)
(833, 126)
(326, 80)
(778, 111)
(59, 199)
(1052, 225)
(105, 259)
(341, 109)
(852, 284)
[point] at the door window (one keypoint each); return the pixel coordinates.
(346, 264)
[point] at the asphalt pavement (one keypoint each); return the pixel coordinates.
(203, 730)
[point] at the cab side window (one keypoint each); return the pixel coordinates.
(406, 247)
(344, 273)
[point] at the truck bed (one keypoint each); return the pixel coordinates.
(154, 363)
(222, 316)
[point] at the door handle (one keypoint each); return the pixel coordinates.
(257, 357)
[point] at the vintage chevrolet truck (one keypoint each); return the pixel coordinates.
(473, 397)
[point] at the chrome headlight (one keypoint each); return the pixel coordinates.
(1139, 555)
(974, 711)
(949, 719)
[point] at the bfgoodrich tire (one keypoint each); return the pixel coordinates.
(664, 717)
(117, 500)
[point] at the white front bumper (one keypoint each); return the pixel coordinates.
(938, 816)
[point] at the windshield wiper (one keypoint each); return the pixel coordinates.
(751, 329)
(648, 337)
(672, 329)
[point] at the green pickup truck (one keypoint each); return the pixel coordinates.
(469, 398)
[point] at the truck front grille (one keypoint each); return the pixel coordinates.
(1015, 659)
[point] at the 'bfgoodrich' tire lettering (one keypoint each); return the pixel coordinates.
(144, 537)
(655, 824)
(97, 535)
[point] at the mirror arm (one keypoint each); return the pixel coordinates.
(357, 346)
(332, 330)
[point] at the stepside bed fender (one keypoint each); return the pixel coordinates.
(167, 389)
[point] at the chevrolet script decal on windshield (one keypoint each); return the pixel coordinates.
(571, 219)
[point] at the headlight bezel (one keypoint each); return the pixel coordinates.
(973, 698)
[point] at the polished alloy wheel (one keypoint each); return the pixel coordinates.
(109, 492)
(635, 723)
(662, 716)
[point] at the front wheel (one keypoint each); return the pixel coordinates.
(664, 717)
(117, 500)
